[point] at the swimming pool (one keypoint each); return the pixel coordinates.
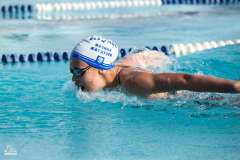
(42, 117)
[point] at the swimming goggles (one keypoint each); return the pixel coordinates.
(79, 71)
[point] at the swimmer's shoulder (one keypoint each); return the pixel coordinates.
(124, 67)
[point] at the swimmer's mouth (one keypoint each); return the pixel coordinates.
(82, 88)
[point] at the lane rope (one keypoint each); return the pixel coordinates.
(190, 48)
(177, 50)
(42, 11)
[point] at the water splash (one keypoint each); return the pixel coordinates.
(112, 96)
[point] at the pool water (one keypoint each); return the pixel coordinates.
(42, 116)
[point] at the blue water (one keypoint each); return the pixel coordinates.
(43, 117)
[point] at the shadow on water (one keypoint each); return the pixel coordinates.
(17, 36)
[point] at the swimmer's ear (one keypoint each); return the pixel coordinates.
(101, 71)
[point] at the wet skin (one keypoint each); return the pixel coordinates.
(145, 83)
(89, 81)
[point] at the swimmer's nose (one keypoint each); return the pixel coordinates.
(76, 81)
(73, 78)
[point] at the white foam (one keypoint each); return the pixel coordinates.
(69, 86)
(111, 96)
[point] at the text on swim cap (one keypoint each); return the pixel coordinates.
(101, 51)
(102, 40)
(102, 47)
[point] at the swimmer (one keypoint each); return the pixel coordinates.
(94, 67)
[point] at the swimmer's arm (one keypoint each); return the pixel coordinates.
(200, 83)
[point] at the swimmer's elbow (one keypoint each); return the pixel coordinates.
(186, 78)
(186, 81)
(179, 81)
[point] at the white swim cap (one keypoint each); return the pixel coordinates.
(96, 51)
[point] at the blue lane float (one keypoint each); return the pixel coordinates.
(38, 57)
(13, 58)
(147, 47)
(164, 49)
(4, 59)
(56, 57)
(31, 58)
(17, 11)
(48, 56)
(123, 52)
(130, 50)
(65, 56)
(22, 58)
(155, 48)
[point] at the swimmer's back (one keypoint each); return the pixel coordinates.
(145, 59)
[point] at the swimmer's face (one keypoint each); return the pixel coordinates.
(85, 77)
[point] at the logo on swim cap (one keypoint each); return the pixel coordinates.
(96, 51)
